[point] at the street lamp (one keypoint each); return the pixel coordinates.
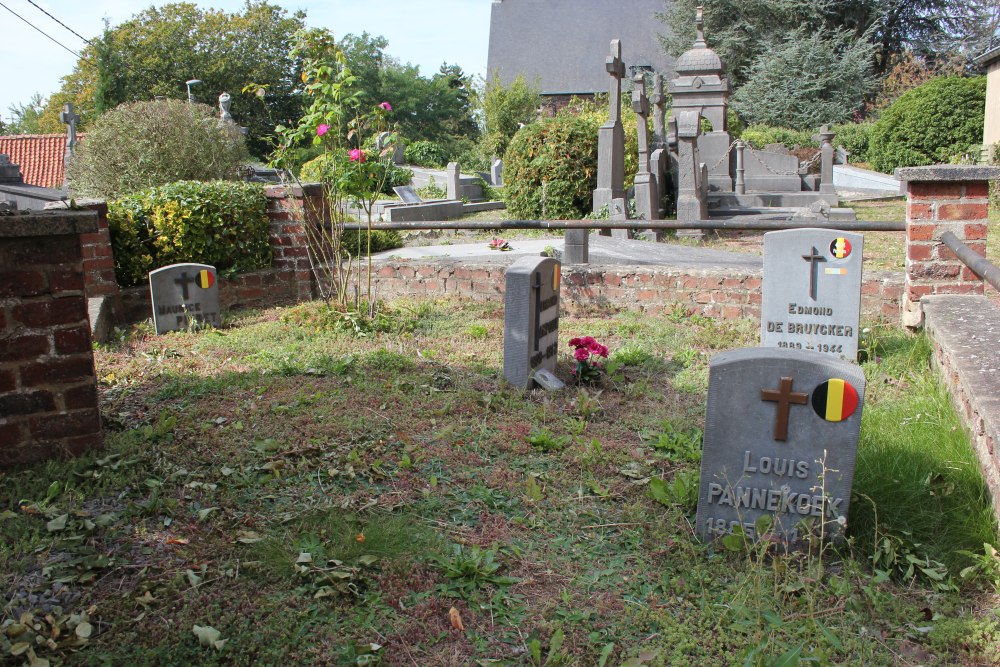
(192, 82)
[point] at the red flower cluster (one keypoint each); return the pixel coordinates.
(587, 346)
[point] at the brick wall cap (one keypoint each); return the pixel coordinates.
(48, 223)
(945, 173)
(85, 202)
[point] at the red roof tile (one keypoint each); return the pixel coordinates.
(40, 157)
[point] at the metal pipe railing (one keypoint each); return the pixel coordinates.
(736, 224)
(979, 265)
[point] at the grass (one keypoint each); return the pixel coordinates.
(319, 497)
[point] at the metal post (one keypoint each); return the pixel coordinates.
(741, 184)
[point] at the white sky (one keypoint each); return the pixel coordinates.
(425, 33)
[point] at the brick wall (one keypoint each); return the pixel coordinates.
(709, 292)
(48, 389)
(940, 199)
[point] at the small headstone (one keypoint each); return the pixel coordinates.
(812, 291)
(547, 380)
(781, 437)
(618, 210)
(496, 172)
(454, 180)
(531, 319)
(399, 152)
(184, 295)
(407, 194)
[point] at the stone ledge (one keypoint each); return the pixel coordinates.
(948, 173)
(48, 223)
(965, 330)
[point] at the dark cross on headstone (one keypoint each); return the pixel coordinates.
(813, 258)
(616, 68)
(536, 284)
(184, 281)
(784, 397)
(659, 100)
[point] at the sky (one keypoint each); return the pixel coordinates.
(426, 34)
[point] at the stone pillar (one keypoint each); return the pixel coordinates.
(741, 184)
(659, 166)
(576, 249)
(646, 197)
(939, 199)
(48, 387)
(691, 199)
(826, 161)
(454, 181)
(611, 137)
(659, 102)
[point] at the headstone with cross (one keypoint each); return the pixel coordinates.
(611, 137)
(531, 319)
(781, 437)
(659, 102)
(184, 296)
(812, 291)
(68, 117)
(646, 197)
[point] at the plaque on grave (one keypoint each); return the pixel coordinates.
(184, 295)
(812, 291)
(531, 319)
(781, 437)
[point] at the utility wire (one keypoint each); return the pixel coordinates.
(33, 4)
(42, 31)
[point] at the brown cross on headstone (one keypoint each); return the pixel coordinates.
(813, 258)
(616, 68)
(784, 397)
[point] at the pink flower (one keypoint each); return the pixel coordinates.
(322, 129)
(357, 155)
(386, 106)
(581, 354)
(601, 350)
(588, 341)
(575, 342)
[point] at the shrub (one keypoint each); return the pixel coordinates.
(355, 242)
(759, 136)
(147, 144)
(854, 138)
(929, 124)
(426, 154)
(505, 109)
(550, 168)
(326, 167)
(219, 223)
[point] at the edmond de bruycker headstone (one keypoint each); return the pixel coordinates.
(812, 291)
(184, 294)
(781, 436)
(531, 319)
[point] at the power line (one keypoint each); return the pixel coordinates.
(32, 3)
(56, 41)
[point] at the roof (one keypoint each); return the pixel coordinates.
(564, 43)
(989, 57)
(39, 155)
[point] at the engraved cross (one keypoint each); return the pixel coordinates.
(785, 398)
(184, 281)
(813, 258)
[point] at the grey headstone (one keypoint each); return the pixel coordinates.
(496, 172)
(576, 247)
(531, 319)
(180, 299)
(407, 194)
(454, 178)
(811, 296)
(618, 210)
(611, 136)
(776, 444)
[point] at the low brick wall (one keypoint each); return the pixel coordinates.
(48, 388)
(710, 292)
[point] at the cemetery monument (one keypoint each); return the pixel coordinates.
(531, 319)
(183, 295)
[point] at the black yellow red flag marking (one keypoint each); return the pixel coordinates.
(835, 400)
(205, 279)
(840, 248)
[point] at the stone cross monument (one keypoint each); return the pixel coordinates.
(646, 197)
(70, 119)
(691, 187)
(659, 102)
(611, 138)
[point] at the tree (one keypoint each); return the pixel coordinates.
(160, 48)
(26, 118)
(505, 110)
(807, 80)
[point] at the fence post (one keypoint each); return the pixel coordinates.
(939, 199)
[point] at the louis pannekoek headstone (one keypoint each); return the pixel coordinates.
(812, 291)
(531, 319)
(183, 295)
(781, 436)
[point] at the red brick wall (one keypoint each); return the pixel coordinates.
(48, 389)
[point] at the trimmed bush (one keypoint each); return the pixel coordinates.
(426, 154)
(854, 138)
(148, 144)
(550, 168)
(356, 243)
(759, 136)
(220, 223)
(930, 124)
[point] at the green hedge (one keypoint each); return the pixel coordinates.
(324, 169)
(221, 223)
(932, 123)
(854, 138)
(426, 154)
(760, 136)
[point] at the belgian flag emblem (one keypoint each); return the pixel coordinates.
(205, 279)
(835, 400)
(840, 248)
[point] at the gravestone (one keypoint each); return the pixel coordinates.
(407, 194)
(812, 291)
(70, 118)
(184, 295)
(454, 180)
(496, 172)
(692, 196)
(781, 436)
(611, 137)
(531, 319)
(646, 198)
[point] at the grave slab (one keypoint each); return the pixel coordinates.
(781, 438)
(182, 295)
(812, 291)
(531, 319)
